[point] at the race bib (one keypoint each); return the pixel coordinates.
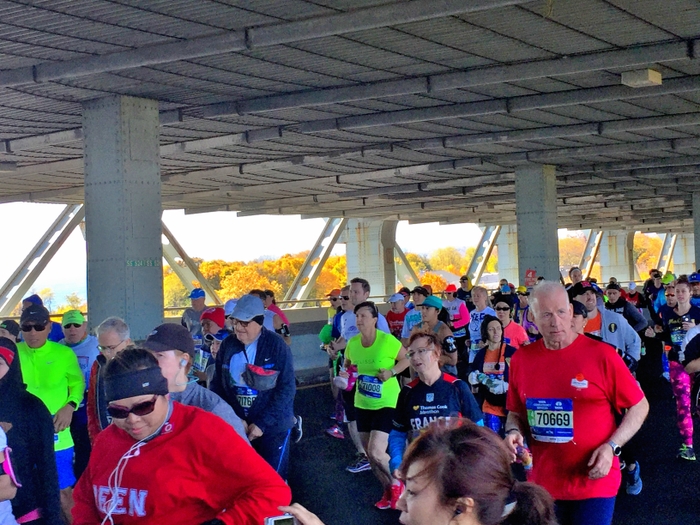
(369, 386)
(246, 397)
(677, 336)
(551, 420)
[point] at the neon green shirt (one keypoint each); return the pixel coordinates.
(51, 372)
(372, 393)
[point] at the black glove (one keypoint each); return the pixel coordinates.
(215, 521)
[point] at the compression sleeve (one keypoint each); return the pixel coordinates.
(397, 446)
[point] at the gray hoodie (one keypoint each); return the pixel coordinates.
(198, 396)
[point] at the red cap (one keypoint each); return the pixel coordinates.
(451, 288)
(7, 354)
(216, 315)
(335, 292)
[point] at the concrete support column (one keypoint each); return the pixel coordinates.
(370, 253)
(696, 226)
(536, 212)
(684, 254)
(616, 256)
(508, 254)
(123, 212)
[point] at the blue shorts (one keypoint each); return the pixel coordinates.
(64, 465)
(592, 511)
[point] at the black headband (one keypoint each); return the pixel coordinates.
(138, 383)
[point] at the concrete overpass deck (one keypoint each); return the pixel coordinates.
(413, 110)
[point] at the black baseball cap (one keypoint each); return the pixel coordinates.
(11, 326)
(421, 290)
(580, 309)
(170, 336)
(35, 313)
(613, 286)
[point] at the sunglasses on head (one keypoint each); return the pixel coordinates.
(139, 409)
(72, 325)
(35, 327)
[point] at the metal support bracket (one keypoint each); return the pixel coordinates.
(666, 253)
(190, 272)
(483, 252)
(315, 261)
(590, 252)
(23, 278)
(404, 270)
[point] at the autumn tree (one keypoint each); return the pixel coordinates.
(245, 279)
(174, 292)
(437, 283)
(571, 249)
(418, 262)
(447, 259)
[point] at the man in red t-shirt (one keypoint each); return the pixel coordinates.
(563, 394)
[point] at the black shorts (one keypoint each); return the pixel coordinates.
(381, 419)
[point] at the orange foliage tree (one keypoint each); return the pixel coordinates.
(437, 283)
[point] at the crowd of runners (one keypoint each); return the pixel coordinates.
(518, 406)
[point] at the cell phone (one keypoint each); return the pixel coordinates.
(284, 519)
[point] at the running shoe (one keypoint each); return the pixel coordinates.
(360, 465)
(396, 492)
(297, 431)
(336, 432)
(633, 480)
(385, 502)
(686, 452)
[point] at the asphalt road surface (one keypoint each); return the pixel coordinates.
(319, 481)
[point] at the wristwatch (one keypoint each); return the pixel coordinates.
(617, 449)
(73, 404)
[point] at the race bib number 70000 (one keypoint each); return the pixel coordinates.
(551, 420)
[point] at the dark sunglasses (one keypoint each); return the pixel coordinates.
(139, 409)
(242, 324)
(335, 298)
(72, 325)
(35, 327)
(526, 294)
(656, 276)
(502, 309)
(346, 297)
(670, 295)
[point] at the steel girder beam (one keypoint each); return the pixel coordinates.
(190, 272)
(249, 38)
(666, 254)
(483, 252)
(23, 278)
(314, 262)
(412, 280)
(590, 252)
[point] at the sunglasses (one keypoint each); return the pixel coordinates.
(502, 309)
(72, 325)
(139, 409)
(527, 294)
(345, 297)
(335, 298)
(242, 324)
(670, 295)
(35, 327)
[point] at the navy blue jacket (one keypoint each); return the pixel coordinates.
(273, 410)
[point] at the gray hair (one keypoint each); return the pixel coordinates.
(545, 288)
(116, 325)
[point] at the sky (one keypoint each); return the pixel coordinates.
(245, 238)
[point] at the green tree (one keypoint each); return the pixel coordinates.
(174, 292)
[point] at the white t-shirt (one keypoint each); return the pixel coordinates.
(348, 326)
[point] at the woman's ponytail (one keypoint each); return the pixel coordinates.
(533, 506)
